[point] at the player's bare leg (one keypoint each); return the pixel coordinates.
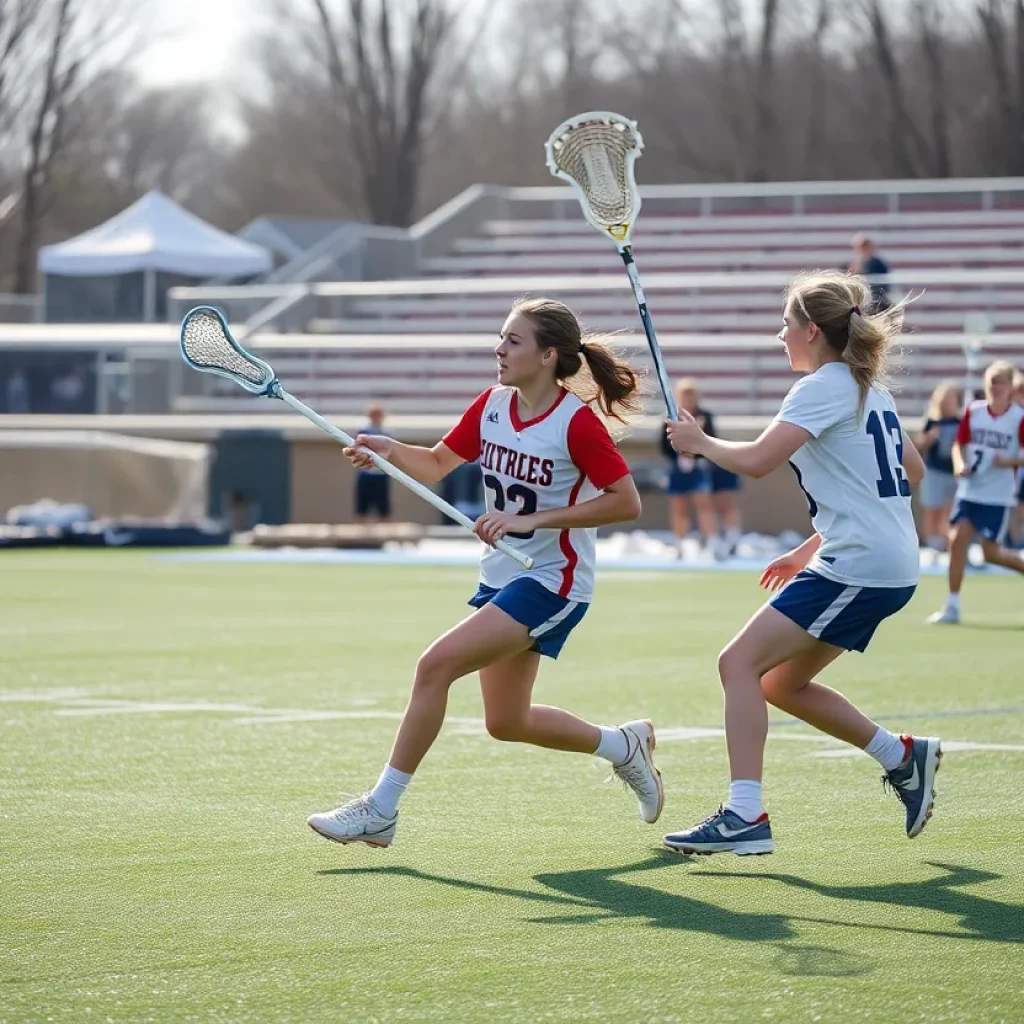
(995, 554)
(960, 537)
(707, 521)
(679, 511)
(510, 715)
(485, 636)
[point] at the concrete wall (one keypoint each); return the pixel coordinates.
(322, 482)
(323, 489)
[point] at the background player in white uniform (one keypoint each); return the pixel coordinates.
(839, 429)
(552, 475)
(988, 452)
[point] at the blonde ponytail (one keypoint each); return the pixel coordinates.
(837, 303)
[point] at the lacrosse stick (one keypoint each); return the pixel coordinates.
(207, 345)
(595, 153)
(977, 328)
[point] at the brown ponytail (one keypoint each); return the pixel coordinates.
(586, 365)
(838, 304)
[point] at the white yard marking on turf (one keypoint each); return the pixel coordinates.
(947, 746)
(76, 706)
(92, 707)
(688, 733)
(39, 696)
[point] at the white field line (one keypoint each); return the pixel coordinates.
(73, 705)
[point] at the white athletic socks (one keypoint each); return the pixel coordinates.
(887, 749)
(953, 602)
(389, 789)
(613, 745)
(745, 799)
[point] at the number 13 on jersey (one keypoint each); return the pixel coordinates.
(891, 481)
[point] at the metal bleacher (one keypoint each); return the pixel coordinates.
(714, 261)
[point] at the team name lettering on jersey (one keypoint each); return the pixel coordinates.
(530, 469)
(560, 458)
(992, 438)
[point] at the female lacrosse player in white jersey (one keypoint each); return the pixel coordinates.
(839, 430)
(988, 451)
(552, 475)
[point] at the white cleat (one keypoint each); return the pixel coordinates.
(358, 821)
(948, 616)
(638, 771)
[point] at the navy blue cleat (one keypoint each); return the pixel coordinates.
(724, 832)
(914, 781)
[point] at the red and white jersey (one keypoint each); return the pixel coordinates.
(982, 437)
(563, 457)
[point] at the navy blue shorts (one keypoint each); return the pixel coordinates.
(723, 480)
(549, 618)
(990, 521)
(373, 494)
(695, 481)
(836, 613)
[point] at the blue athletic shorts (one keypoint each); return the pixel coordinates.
(723, 480)
(836, 613)
(549, 618)
(695, 481)
(990, 521)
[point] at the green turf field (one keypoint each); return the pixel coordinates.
(165, 729)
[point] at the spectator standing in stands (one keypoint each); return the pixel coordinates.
(689, 481)
(373, 486)
(868, 263)
(935, 443)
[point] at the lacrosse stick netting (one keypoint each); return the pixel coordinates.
(595, 153)
(207, 345)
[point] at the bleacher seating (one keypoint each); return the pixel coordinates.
(737, 379)
(959, 246)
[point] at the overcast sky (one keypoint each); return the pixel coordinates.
(194, 40)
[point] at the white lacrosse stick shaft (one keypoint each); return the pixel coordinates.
(403, 478)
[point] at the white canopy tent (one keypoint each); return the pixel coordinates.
(154, 235)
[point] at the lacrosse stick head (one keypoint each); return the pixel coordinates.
(207, 345)
(595, 153)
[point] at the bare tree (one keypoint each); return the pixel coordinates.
(764, 92)
(59, 77)
(1006, 61)
(927, 16)
(907, 144)
(817, 89)
(17, 22)
(380, 74)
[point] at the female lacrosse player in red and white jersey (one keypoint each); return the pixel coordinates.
(552, 475)
(988, 452)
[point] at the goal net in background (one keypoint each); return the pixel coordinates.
(116, 476)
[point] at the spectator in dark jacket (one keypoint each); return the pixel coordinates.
(868, 263)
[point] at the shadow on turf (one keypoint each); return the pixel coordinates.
(600, 891)
(981, 918)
